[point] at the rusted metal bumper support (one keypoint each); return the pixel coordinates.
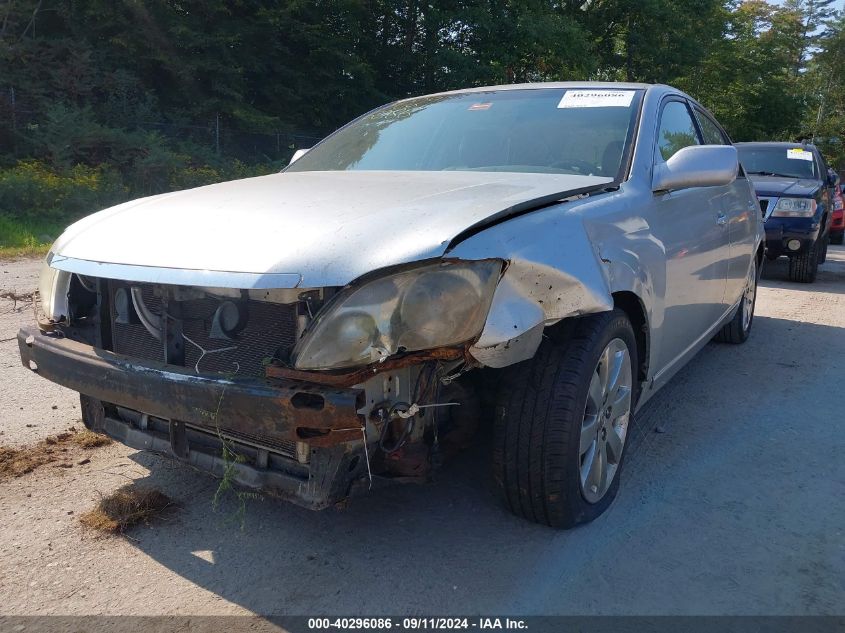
(279, 411)
(325, 481)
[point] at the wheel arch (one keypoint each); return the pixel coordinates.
(634, 309)
(633, 306)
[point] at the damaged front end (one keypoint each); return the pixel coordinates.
(317, 393)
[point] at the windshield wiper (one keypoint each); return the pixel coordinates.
(769, 173)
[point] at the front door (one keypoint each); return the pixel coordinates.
(740, 205)
(693, 227)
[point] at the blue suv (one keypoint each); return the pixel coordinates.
(794, 189)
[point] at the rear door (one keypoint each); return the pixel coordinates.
(739, 204)
(693, 229)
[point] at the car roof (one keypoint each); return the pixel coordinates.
(775, 144)
(619, 85)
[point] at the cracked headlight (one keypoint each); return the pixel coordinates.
(437, 305)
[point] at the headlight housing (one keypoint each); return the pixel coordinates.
(53, 286)
(436, 305)
(795, 208)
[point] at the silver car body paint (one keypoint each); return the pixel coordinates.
(712, 165)
(684, 254)
(308, 229)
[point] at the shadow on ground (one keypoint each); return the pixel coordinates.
(729, 509)
(830, 278)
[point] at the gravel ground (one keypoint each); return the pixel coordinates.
(735, 507)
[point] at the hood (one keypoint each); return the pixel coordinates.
(320, 228)
(779, 186)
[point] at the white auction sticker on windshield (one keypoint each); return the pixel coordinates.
(596, 99)
(799, 154)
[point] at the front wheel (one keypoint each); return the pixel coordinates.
(803, 268)
(562, 423)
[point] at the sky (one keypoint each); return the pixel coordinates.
(839, 4)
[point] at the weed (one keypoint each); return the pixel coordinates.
(125, 507)
(231, 459)
(16, 462)
(89, 439)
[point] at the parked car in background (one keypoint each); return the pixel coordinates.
(837, 220)
(796, 198)
(578, 242)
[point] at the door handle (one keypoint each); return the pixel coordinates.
(721, 219)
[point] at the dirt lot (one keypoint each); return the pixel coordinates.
(734, 507)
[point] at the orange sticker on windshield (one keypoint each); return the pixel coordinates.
(480, 106)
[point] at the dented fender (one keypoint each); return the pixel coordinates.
(553, 273)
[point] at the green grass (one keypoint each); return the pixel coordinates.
(24, 238)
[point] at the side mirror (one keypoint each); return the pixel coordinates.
(697, 166)
(297, 155)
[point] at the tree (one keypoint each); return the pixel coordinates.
(748, 79)
(825, 119)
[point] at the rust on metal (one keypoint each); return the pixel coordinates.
(277, 409)
(328, 437)
(359, 376)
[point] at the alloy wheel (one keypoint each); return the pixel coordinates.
(748, 297)
(606, 416)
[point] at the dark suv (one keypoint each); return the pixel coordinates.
(794, 189)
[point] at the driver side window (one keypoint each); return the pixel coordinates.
(676, 130)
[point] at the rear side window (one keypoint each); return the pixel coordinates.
(709, 130)
(676, 131)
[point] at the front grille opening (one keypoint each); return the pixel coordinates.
(130, 336)
(269, 327)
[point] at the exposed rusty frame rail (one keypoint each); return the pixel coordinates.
(278, 408)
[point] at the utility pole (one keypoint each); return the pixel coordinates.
(14, 122)
(217, 133)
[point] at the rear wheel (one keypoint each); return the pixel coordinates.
(562, 423)
(803, 268)
(736, 331)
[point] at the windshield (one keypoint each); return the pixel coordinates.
(793, 162)
(566, 131)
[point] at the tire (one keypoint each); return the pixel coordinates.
(736, 330)
(540, 415)
(803, 268)
(823, 255)
(837, 239)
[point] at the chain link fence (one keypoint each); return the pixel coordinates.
(20, 123)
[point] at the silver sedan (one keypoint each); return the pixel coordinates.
(536, 258)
